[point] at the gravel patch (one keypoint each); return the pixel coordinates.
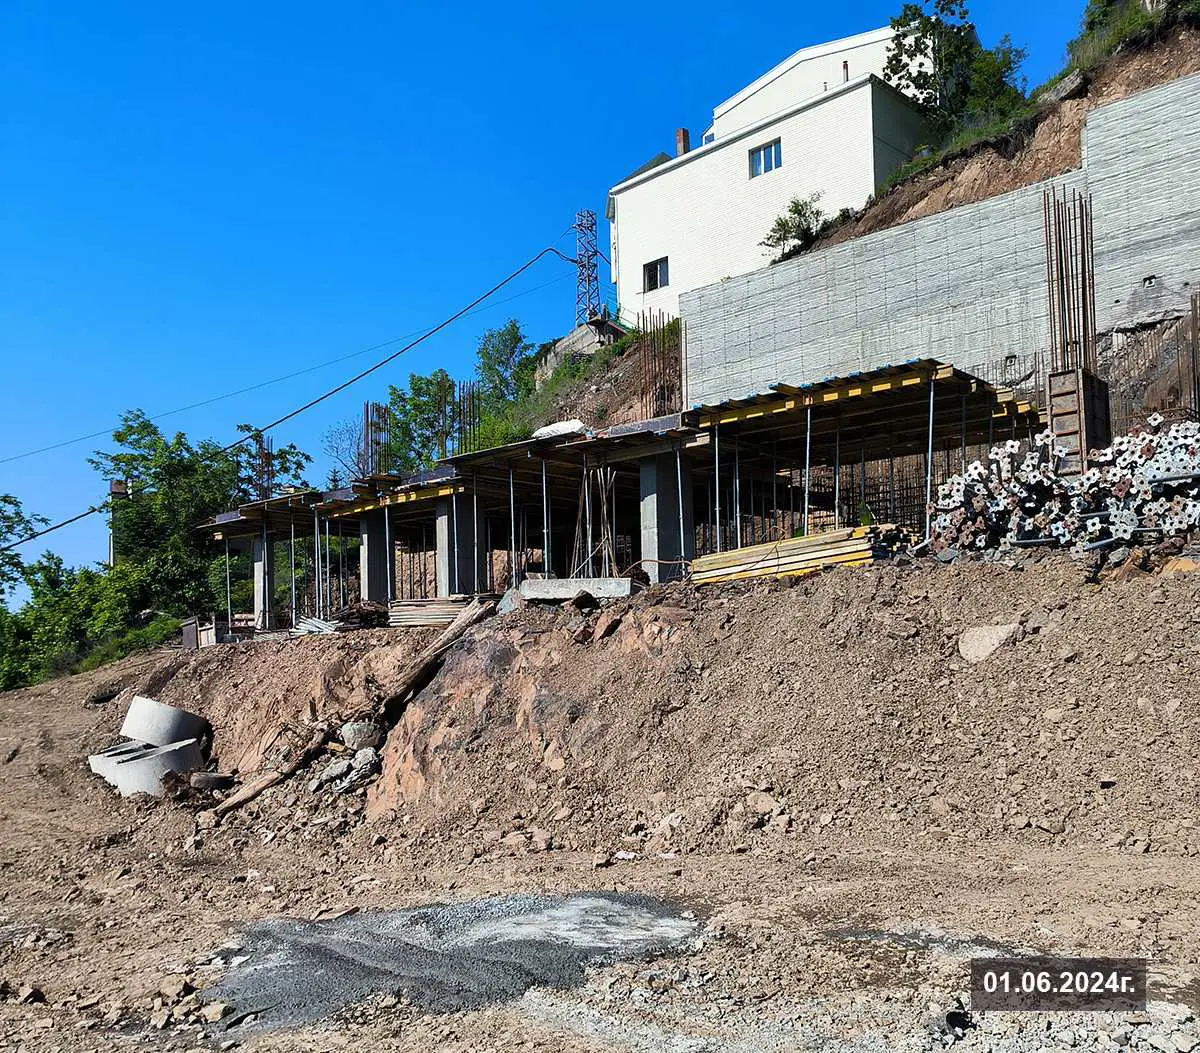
(442, 958)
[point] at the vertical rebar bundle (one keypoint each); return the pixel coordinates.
(467, 420)
(378, 439)
(264, 467)
(659, 364)
(1070, 279)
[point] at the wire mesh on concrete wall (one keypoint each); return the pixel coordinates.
(1153, 370)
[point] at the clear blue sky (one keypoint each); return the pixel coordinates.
(198, 198)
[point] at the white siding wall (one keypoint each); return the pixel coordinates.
(803, 81)
(707, 216)
(898, 131)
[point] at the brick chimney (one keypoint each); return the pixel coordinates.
(683, 142)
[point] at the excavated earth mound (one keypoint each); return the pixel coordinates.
(696, 720)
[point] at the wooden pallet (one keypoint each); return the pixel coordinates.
(853, 547)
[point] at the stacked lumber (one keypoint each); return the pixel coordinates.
(851, 547)
(431, 613)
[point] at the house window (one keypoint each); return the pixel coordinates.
(654, 275)
(765, 158)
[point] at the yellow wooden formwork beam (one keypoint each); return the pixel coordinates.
(427, 493)
(797, 398)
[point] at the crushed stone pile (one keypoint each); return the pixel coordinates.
(1144, 488)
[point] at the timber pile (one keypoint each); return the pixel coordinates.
(852, 546)
(362, 615)
(1144, 488)
(424, 614)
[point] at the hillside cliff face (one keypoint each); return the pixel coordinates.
(1052, 147)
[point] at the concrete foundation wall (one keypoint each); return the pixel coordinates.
(966, 286)
(1142, 156)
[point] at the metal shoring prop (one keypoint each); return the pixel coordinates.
(328, 573)
(679, 489)
(454, 536)
(587, 514)
(807, 460)
(292, 562)
(737, 490)
(837, 475)
(545, 523)
(228, 593)
(512, 531)
(475, 526)
(316, 563)
(717, 478)
(387, 548)
(267, 575)
(929, 468)
(342, 594)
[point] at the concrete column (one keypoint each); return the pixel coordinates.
(466, 547)
(375, 563)
(262, 554)
(661, 539)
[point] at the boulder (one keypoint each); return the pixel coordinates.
(981, 642)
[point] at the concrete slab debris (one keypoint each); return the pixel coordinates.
(563, 590)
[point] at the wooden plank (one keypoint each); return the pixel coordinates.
(789, 546)
(764, 554)
(849, 560)
(846, 548)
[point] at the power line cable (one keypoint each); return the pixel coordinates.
(268, 383)
(549, 250)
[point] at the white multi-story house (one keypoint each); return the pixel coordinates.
(822, 121)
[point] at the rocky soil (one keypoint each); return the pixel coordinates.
(850, 789)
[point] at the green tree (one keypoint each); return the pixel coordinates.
(424, 420)
(504, 362)
(797, 230)
(15, 526)
(79, 616)
(937, 60)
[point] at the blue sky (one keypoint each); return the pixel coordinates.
(195, 199)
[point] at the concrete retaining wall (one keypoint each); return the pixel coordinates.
(968, 285)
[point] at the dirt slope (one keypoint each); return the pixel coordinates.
(840, 704)
(794, 764)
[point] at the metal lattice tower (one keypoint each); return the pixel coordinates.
(587, 287)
